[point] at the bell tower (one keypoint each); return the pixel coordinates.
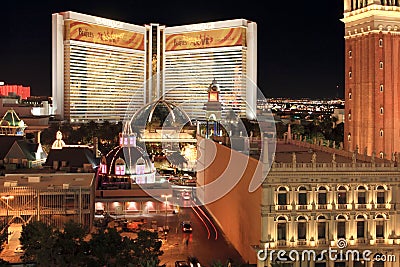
(372, 76)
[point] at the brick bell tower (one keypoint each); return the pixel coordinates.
(372, 76)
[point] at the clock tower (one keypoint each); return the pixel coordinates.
(372, 76)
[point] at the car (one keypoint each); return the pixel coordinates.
(186, 226)
(18, 250)
(186, 195)
(181, 264)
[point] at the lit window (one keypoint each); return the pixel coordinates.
(381, 88)
(103, 168)
(119, 169)
(349, 137)
(380, 42)
(349, 96)
(381, 133)
(349, 115)
(381, 155)
(282, 196)
(380, 64)
(350, 74)
(381, 110)
(350, 54)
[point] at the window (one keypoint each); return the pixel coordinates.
(380, 42)
(341, 229)
(381, 155)
(321, 230)
(350, 74)
(381, 110)
(349, 137)
(349, 115)
(301, 228)
(350, 54)
(360, 229)
(380, 198)
(381, 133)
(322, 198)
(281, 228)
(282, 196)
(381, 65)
(302, 198)
(381, 88)
(350, 96)
(379, 229)
(361, 198)
(342, 195)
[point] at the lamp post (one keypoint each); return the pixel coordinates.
(166, 217)
(7, 198)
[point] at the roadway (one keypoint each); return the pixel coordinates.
(206, 242)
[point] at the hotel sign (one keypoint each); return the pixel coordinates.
(206, 39)
(80, 31)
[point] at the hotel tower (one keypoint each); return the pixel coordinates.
(372, 78)
(101, 66)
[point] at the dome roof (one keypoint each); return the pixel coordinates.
(136, 156)
(160, 113)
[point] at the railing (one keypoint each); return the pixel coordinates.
(282, 207)
(381, 206)
(321, 242)
(302, 207)
(341, 206)
(281, 243)
(380, 241)
(301, 242)
(322, 206)
(361, 206)
(361, 241)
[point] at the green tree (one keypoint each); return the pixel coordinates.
(37, 240)
(69, 247)
(147, 248)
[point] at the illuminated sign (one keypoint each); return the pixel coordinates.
(109, 22)
(91, 33)
(201, 26)
(206, 39)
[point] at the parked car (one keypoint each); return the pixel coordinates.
(181, 264)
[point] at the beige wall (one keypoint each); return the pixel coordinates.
(238, 213)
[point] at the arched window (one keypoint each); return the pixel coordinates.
(381, 155)
(301, 228)
(360, 226)
(321, 226)
(281, 228)
(380, 194)
(341, 226)
(380, 226)
(349, 116)
(322, 195)
(119, 167)
(349, 95)
(381, 88)
(282, 196)
(381, 110)
(380, 42)
(349, 137)
(361, 195)
(302, 196)
(381, 65)
(350, 54)
(342, 195)
(381, 133)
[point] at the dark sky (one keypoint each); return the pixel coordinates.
(300, 43)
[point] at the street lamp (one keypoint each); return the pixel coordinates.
(8, 197)
(166, 217)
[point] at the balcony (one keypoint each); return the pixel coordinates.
(361, 206)
(322, 242)
(380, 241)
(301, 207)
(283, 207)
(343, 206)
(322, 206)
(361, 240)
(383, 206)
(301, 243)
(281, 243)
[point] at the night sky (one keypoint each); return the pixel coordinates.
(300, 43)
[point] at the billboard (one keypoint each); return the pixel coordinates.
(206, 39)
(86, 32)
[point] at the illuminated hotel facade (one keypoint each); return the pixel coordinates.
(101, 67)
